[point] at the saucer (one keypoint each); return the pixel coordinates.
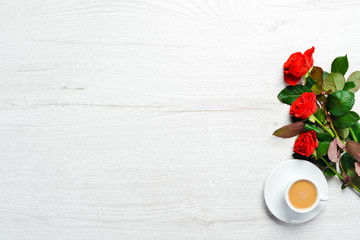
(279, 179)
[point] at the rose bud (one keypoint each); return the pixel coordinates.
(306, 143)
(297, 66)
(304, 106)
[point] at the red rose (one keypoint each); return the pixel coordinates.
(304, 106)
(306, 143)
(297, 66)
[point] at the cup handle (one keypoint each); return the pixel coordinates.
(323, 198)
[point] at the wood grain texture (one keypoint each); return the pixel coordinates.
(137, 119)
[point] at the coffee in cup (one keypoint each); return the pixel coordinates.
(302, 195)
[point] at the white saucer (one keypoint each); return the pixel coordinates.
(277, 182)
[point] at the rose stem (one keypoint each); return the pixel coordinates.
(325, 128)
(354, 186)
(338, 174)
(332, 169)
(332, 127)
(353, 135)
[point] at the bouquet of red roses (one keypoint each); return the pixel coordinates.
(327, 130)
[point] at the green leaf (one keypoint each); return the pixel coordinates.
(355, 78)
(347, 161)
(320, 98)
(347, 120)
(289, 94)
(324, 137)
(351, 173)
(356, 129)
(348, 86)
(317, 89)
(329, 172)
(340, 102)
(334, 82)
(322, 149)
(340, 65)
(343, 132)
(317, 75)
(343, 186)
(324, 140)
(310, 127)
(325, 74)
(309, 82)
(320, 115)
(290, 130)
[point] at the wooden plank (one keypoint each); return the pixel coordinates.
(153, 119)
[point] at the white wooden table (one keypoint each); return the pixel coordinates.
(136, 119)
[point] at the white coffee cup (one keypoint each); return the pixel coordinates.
(319, 197)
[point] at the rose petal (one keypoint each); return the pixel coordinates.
(295, 64)
(298, 65)
(309, 58)
(306, 143)
(304, 106)
(332, 151)
(291, 79)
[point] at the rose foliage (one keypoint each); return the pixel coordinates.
(327, 131)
